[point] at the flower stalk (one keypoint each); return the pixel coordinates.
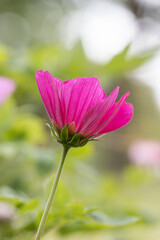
(52, 193)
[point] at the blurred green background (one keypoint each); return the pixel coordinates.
(100, 191)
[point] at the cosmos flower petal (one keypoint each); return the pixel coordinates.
(121, 118)
(80, 95)
(110, 116)
(50, 89)
(98, 111)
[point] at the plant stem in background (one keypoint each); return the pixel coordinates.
(52, 194)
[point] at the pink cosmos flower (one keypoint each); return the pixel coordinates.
(7, 86)
(83, 105)
(145, 153)
(79, 111)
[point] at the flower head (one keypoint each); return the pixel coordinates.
(81, 107)
(7, 86)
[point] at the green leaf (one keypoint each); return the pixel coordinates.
(102, 218)
(12, 200)
(90, 210)
(13, 197)
(96, 220)
(74, 210)
(123, 63)
(30, 205)
(64, 133)
(75, 139)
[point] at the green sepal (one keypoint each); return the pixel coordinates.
(64, 134)
(83, 142)
(96, 140)
(53, 133)
(75, 140)
(63, 137)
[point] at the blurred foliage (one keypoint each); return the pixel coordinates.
(92, 200)
(86, 200)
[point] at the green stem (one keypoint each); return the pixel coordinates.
(52, 194)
